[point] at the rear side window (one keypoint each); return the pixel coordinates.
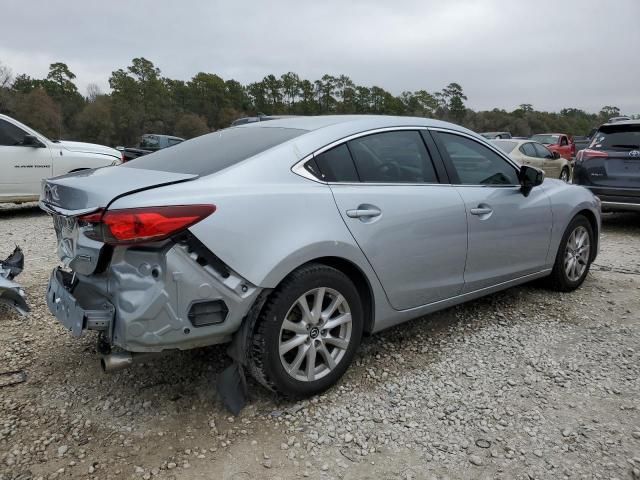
(528, 149)
(336, 165)
(393, 157)
(213, 152)
(10, 135)
(617, 137)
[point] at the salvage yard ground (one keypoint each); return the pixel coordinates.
(524, 384)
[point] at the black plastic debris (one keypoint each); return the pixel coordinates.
(11, 293)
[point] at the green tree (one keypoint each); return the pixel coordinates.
(190, 125)
(38, 110)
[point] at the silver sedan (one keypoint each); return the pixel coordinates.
(293, 238)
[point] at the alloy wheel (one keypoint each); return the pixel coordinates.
(564, 175)
(315, 334)
(577, 251)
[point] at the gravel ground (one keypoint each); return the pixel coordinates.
(523, 384)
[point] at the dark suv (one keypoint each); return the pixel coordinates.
(610, 166)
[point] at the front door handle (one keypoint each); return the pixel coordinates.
(481, 211)
(368, 212)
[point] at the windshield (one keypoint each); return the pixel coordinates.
(546, 139)
(619, 137)
(505, 145)
(213, 152)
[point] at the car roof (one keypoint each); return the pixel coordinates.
(353, 123)
(518, 141)
(622, 122)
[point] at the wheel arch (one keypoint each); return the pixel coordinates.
(357, 276)
(593, 221)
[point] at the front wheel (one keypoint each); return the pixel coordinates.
(574, 256)
(564, 175)
(307, 333)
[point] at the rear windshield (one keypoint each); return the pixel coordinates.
(213, 152)
(504, 145)
(617, 137)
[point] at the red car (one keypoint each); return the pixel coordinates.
(557, 142)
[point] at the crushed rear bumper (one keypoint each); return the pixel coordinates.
(90, 311)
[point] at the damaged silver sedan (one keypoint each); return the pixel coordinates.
(292, 238)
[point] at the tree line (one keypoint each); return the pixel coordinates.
(142, 100)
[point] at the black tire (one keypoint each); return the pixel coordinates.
(265, 363)
(559, 279)
(566, 172)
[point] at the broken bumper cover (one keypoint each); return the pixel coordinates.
(12, 294)
(97, 314)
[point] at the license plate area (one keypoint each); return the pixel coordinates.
(77, 306)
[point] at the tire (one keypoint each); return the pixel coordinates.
(290, 374)
(565, 175)
(563, 278)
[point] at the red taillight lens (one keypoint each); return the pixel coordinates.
(588, 153)
(149, 224)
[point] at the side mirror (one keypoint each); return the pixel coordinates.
(31, 141)
(556, 155)
(529, 177)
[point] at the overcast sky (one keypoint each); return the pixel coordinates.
(552, 54)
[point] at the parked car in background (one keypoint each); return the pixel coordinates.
(149, 143)
(557, 142)
(496, 135)
(526, 152)
(295, 237)
(27, 157)
(610, 166)
(621, 118)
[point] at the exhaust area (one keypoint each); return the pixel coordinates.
(121, 360)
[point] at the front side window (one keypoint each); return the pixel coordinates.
(528, 149)
(392, 157)
(564, 141)
(10, 135)
(476, 164)
(542, 151)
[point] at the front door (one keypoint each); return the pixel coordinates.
(411, 228)
(23, 166)
(509, 233)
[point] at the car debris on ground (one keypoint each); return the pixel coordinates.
(11, 293)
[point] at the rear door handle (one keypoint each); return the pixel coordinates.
(481, 211)
(363, 212)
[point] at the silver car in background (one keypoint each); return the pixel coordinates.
(299, 235)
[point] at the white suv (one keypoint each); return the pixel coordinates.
(27, 157)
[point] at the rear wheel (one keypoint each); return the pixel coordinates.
(564, 175)
(574, 256)
(307, 333)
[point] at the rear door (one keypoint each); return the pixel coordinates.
(509, 233)
(410, 225)
(23, 166)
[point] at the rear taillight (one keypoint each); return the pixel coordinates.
(589, 153)
(148, 224)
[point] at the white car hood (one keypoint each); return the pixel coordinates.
(82, 147)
